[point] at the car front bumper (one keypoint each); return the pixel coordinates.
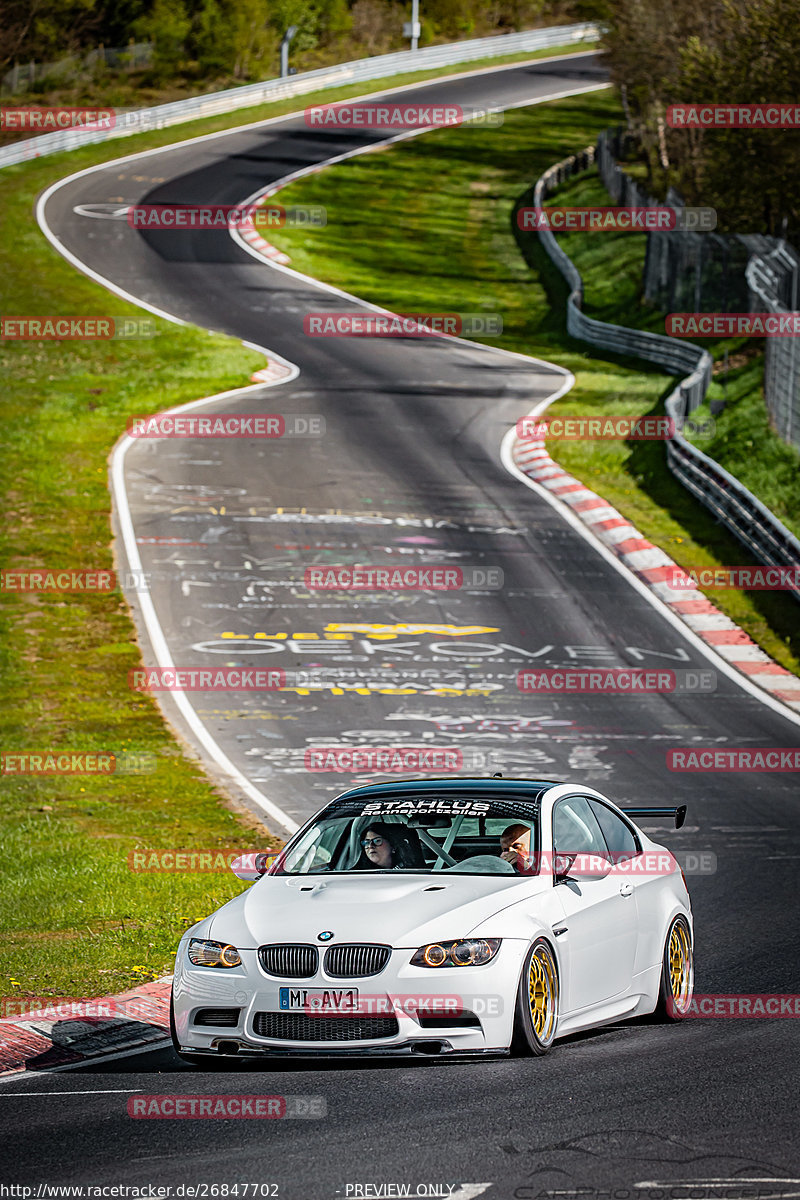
(431, 1006)
(430, 1048)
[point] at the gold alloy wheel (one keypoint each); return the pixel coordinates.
(680, 966)
(543, 994)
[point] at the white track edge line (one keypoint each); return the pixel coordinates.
(155, 632)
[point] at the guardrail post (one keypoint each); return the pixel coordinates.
(285, 41)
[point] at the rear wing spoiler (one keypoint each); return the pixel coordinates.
(678, 813)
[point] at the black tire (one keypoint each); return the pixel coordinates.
(536, 1011)
(173, 1033)
(677, 973)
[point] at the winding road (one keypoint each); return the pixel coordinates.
(409, 472)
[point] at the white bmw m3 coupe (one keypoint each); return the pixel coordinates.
(457, 916)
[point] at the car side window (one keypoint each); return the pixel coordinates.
(620, 839)
(575, 828)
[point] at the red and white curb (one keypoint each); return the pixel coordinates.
(58, 1035)
(250, 234)
(274, 373)
(653, 567)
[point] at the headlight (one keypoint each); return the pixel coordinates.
(213, 954)
(466, 952)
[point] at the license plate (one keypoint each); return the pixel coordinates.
(330, 1001)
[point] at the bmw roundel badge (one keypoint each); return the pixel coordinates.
(325, 936)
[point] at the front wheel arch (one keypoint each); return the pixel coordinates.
(537, 1000)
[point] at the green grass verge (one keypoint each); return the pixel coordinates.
(453, 246)
(74, 919)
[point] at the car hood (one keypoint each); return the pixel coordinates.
(400, 911)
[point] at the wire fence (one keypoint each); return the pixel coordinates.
(23, 76)
(672, 353)
(773, 281)
(684, 270)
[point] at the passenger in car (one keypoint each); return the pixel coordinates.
(390, 847)
(378, 848)
(515, 848)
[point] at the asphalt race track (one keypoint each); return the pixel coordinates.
(409, 472)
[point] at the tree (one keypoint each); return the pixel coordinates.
(375, 25)
(753, 174)
(305, 14)
(745, 51)
(167, 26)
(211, 41)
(255, 42)
(336, 22)
(47, 29)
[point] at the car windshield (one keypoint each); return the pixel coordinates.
(418, 833)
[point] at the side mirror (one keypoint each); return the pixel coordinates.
(580, 866)
(252, 866)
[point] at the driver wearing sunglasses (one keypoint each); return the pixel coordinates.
(378, 849)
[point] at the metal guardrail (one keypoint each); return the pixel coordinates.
(732, 504)
(248, 95)
(668, 352)
(768, 540)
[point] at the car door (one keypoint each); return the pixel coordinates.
(600, 914)
(647, 890)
